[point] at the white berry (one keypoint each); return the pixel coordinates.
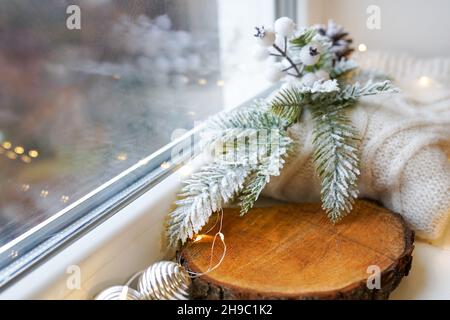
(267, 39)
(274, 72)
(284, 26)
(310, 54)
(308, 79)
(322, 75)
(261, 53)
(279, 41)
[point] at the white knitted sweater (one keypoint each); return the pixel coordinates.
(406, 138)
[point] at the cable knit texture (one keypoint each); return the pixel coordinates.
(405, 145)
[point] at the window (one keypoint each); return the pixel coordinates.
(90, 91)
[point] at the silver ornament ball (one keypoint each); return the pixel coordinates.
(119, 293)
(165, 280)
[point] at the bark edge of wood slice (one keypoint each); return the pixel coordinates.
(293, 252)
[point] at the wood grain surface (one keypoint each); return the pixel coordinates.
(295, 252)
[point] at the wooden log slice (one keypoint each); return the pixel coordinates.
(294, 252)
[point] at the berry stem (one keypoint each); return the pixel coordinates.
(284, 55)
(292, 75)
(290, 67)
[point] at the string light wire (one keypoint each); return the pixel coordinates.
(220, 235)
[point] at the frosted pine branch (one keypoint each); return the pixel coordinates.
(356, 91)
(269, 166)
(205, 192)
(343, 67)
(253, 140)
(244, 122)
(336, 157)
(248, 136)
(287, 105)
(251, 191)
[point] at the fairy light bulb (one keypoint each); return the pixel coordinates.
(424, 81)
(202, 238)
(165, 165)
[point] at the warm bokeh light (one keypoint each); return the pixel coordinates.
(424, 81)
(64, 199)
(19, 150)
(25, 187)
(362, 47)
(6, 144)
(220, 83)
(202, 81)
(11, 155)
(165, 165)
(122, 156)
(33, 153)
(26, 159)
(44, 193)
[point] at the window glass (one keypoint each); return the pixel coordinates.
(88, 88)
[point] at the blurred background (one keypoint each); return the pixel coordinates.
(412, 26)
(77, 107)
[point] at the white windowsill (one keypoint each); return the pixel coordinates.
(133, 238)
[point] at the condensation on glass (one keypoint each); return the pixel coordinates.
(77, 107)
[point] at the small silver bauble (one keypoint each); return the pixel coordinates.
(119, 293)
(165, 280)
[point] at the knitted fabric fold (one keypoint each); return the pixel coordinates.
(405, 146)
